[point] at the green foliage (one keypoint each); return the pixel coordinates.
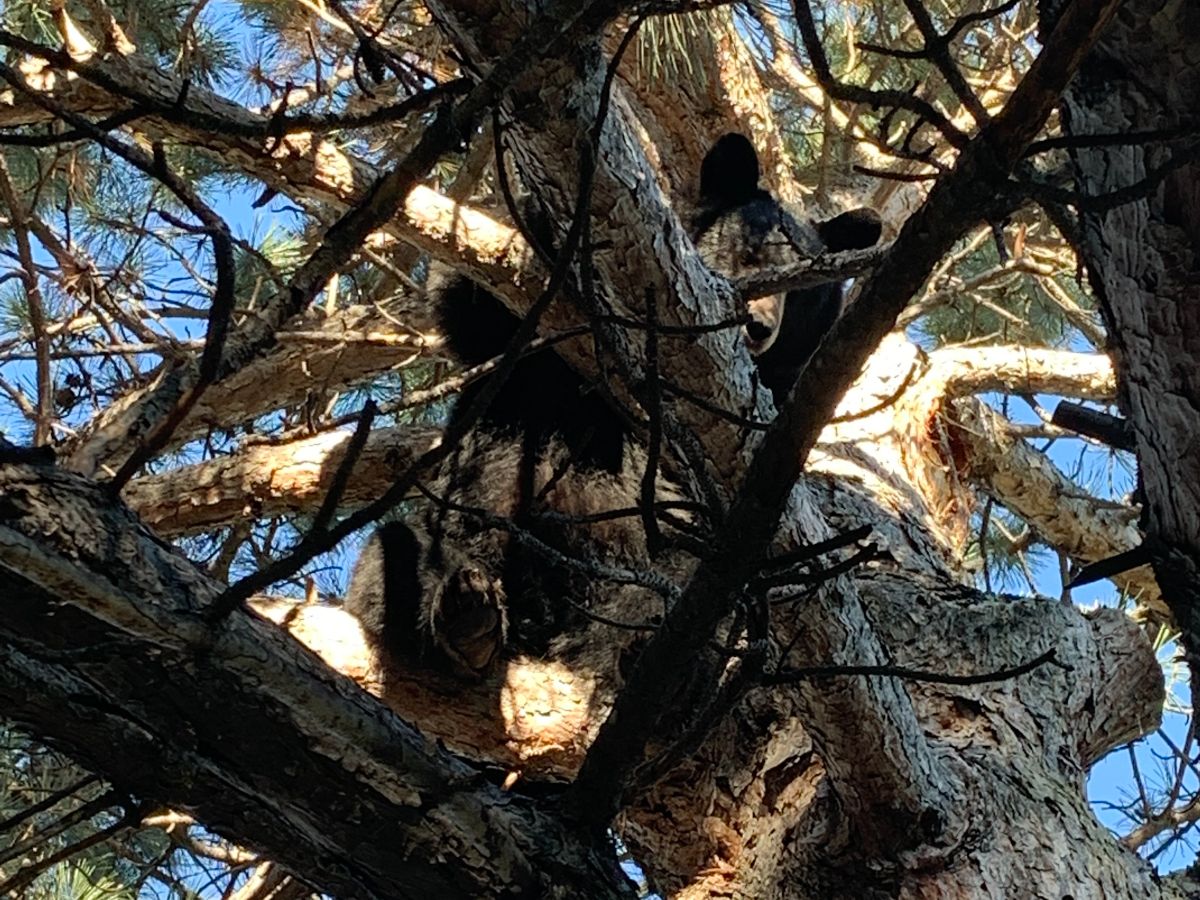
(82, 880)
(1004, 555)
(984, 299)
(32, 773)
(30, 18)
(667, 46)
(147, 268)
(156, 27)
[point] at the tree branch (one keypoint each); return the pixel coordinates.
(958, 201)
(130, 616)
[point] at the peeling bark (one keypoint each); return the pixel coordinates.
(842, 787)
(1027, 482)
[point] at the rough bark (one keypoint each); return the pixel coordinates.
(317, 355)
(768, 814)
(755, 811)
(316, 173)
(956, 202)
(243, 727)
(274, 479)
(138, 607)
(1142, 258)
(828, 788)
(1082, 527)
(704, 87)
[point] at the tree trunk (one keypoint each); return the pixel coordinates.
(955, 769)
(1143, 259)
(757, 811)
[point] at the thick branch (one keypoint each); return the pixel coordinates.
(97, 609)
(268, 480)
(1062, 513)
(1141, 260)
(1021, 370)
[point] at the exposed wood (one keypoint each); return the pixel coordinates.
(274, 480)
(830, 789)
(1027, 482)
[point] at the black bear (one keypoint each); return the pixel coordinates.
(742, 226)
(547, 453)
(542, 398)
(509, 536)
(516, 504)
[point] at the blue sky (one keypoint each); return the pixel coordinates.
(1111, 780)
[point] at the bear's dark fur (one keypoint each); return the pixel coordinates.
(549, 452)
(742, 226)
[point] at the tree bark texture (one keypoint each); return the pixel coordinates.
(127, 616)
(105, 651)
(829, 787)
(1143, 258)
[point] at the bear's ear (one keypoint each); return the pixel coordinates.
(854, 230)
(729, 173)
(475, 324)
